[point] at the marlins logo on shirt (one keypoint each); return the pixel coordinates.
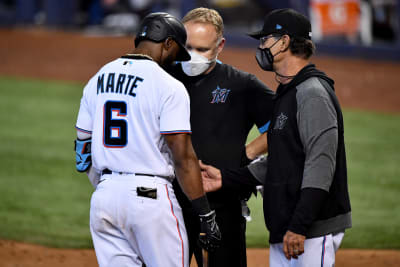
(219, 95)
(280, 122)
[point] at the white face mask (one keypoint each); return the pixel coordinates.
(197, 65)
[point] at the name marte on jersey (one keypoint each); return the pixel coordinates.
(123, 84)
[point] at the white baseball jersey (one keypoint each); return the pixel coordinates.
(127, 106)
(134, 218)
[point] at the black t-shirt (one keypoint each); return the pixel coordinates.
(224, 106)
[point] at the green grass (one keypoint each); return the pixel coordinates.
(373, 150)
(44, 200)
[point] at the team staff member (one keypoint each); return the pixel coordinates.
(306, 199)
(225, 104)
(134, 123)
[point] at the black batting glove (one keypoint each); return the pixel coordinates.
(210, 236)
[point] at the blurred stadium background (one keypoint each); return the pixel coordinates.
(355, 27)
(50, 48)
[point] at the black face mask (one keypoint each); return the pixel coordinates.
(264, 57)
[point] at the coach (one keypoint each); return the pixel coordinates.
(306, 200)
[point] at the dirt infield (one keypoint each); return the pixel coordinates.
(360, 84)
(13, 254)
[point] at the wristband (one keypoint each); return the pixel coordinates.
(200, 205)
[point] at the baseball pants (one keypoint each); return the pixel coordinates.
(318, 252)
(131, 230)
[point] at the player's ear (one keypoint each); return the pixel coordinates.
(285, 42)
(220, 45)
(168, 43)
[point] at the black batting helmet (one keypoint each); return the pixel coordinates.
(159, 26)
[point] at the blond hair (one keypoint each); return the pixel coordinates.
(206, 15)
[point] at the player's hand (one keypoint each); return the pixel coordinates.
(211, 176)
(210, 236)
(293, 245)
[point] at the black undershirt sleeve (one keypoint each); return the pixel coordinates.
(307, 209)
(238, 179)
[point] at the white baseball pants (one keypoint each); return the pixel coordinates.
(129, 230)
(318, 252)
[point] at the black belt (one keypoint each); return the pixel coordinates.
(141, 191)
(107, 171)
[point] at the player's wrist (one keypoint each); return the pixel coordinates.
(201, 206)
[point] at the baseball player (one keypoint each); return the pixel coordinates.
(225, 104)
(306, 199)
(133, 128)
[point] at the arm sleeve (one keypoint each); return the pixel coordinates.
(175, 112)
(318, 128)
(238, 180)
(307, 209)
(317, 123)
(259, 103)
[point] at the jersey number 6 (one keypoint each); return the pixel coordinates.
(115, 130)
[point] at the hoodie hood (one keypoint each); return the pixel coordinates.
(304, 74)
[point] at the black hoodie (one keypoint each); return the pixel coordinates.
(295, 197)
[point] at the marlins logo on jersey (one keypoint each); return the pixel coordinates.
(219, 95)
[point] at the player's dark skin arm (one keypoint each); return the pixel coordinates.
(188, 173)
(186, 164)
